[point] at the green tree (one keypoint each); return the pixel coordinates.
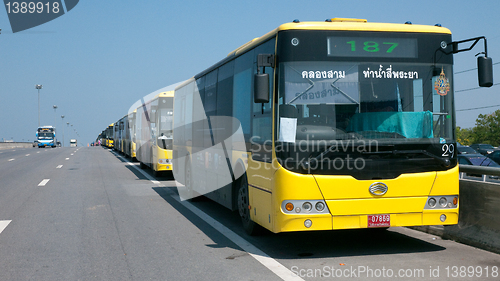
(464, 136)
(487, 129)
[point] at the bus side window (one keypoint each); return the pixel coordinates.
(225, 101)
(242, 92)
(210, 105)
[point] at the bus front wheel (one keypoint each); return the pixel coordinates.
(243, 207)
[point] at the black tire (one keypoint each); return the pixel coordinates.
(142, 165)
(250, 226)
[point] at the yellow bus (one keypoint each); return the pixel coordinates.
(345, 124)
(153, 124)
(120, 134)
(109, 143)
(129, 139)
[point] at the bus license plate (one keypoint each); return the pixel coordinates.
(379, 220)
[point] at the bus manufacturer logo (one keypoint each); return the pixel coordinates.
(378, 189)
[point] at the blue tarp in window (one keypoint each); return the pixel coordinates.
(407, 124)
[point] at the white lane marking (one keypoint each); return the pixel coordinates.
(59, 167)
(12, 159)
(272, 264)
(67, 159)
(44, 182)
(3, 225)
(27, 155)
(71, 154)
(38, 152)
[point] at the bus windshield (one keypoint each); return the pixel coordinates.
(166, 116)
(363, 101)
(45, 135)
(373, 104)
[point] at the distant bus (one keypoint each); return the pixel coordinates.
(346, 124)
(129, 147)
(46, 136)
(109, 140)
(72, 142)
(119, 134)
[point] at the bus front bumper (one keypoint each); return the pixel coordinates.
(329, 222)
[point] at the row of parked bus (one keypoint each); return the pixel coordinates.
(145, 132)
(313, 126)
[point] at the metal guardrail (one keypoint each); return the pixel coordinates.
(480, 173)
(479, 170)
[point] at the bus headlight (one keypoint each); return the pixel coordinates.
(304, 207)
(432, 202)
(443, 201)
(164, 161)
(307, 206)
(320, 206)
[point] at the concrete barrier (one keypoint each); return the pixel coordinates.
(12, 145)
(479, 218)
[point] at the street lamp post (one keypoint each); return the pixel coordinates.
(38, 87)
(62, 118)
(55, 107)
(67, 123)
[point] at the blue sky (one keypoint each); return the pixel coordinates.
(98, 59)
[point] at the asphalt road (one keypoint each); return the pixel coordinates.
(90, 214)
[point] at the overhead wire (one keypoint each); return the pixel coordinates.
(466, 109)
(463, 71)
(475, 88)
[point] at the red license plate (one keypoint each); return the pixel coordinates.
(379, 220)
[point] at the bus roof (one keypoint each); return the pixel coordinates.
(343, 24)
(166, 94)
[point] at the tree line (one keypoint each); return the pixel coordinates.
(487, 130)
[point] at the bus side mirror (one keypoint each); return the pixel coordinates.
(485, 71)
(261, 88)
(261, 81)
